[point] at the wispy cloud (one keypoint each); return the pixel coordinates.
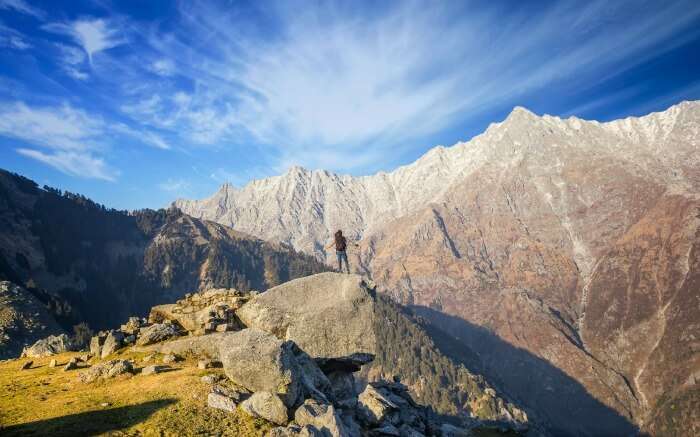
(22, 7)
(163, 67)
(175, 185)
(13, 39)
(93, 35)
(72, 59)
(78, 164)
(341, 88)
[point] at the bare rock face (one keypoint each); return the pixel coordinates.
(258, 361)
(202, 345)
(156, 333)
(113, 342)
(23, 320)
(310, 310)
(561, 250)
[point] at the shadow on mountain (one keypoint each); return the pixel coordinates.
(560, 403)
(90, 422)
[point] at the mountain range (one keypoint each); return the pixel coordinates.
(565, 253)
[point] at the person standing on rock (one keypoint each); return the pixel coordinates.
(341, 245)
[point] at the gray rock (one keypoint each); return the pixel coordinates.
(221, 402)
(210, 379)
(171, 358)
(153, 369)
(295, 431)
(205, 345)
(373, 406)
(407, 431)
(314, 381)
(259, 361)
(309, 311)
(96, 343)
(113, 342)
(322, 416)
(51, 345)
(267, 406)
(448, 430)
(235, 394)
(343, 389)
(156, 333)
(108, 369)
(26, 365)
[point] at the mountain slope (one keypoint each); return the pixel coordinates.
(89, 264)
(568, 241)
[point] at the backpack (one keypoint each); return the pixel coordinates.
(340, 244)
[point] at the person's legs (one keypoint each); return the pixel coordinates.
(347, 265)
(339, 255)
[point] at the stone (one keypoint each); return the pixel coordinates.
(107, 369)
(53, 363)
(221, 327)
(71, 365)
(267, 406)
(170, 358)
(258, 361)
(51, 345)
(113, 342)
(192, 312)
(153, 369)
(322, 416)
(408, 431)
(208, 364)
(343, 388)
(85, 357)
(205, 345)
(221, 402)
(210, 379)
(234, 393)
(96, 343)
(130, 339)
(315, 382)
(310, 311)
(131, 326)
(373, 406)
(26, 365)
(156, 333)
(295, 431)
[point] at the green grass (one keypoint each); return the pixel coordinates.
(49, 401)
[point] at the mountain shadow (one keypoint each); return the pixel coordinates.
(558, 402)
(90, 422)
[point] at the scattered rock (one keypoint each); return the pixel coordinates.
(85, 358)
(171, 358)
(267, 406)
(108, 369)
(259, 361)
(448, 430)
(113, 342)
(387, 429)
(153, 369)
(235, 394)
(373, 405)
(321, 416)
(51, 345)
(132, 326)
(96, 343)
(26, 365)
(71, 365)
(210, 379)
(204, 311)
(205, 345)
(304, 311)
(53, 363)
(208, 364)
(156, 333)
(295, 431)
(221, 402)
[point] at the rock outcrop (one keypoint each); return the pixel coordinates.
(51, 345)
(310, 310)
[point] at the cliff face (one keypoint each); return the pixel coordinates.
(559, 249)
(89, 264)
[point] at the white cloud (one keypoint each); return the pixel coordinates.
(342, 88)
(74, 163)
(94, 35)
(175, 185)
(163, 67)
(13, 39)
(22, 7)
(72, 58)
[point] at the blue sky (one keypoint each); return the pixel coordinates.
(135, 103)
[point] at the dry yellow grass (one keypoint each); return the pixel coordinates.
(49, 401)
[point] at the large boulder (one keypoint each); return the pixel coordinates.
(258, 361)
(108, 369)
(96, 343)
(322, 416)
(327, 315)
(113, 342)
(266, 405)
(201, 345)
(156, 333)
(51, 345)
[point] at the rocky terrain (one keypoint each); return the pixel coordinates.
(563, 252)
(76, 262)
(279, 358)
